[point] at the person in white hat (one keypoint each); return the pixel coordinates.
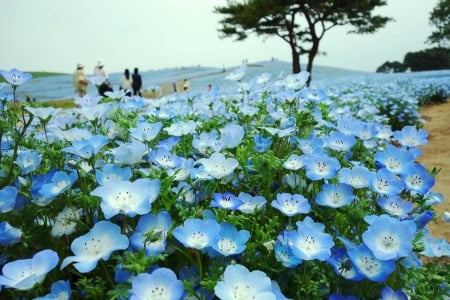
(80, 81)
(99, 71)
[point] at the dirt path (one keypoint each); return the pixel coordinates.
(437, 154)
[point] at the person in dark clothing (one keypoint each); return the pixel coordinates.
(105, 87)
(137, 82)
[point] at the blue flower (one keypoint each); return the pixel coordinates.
(60, 290)
(23, 274)
(218, 166)
(386, 183)
(321, 166)
(15, 76)
(417, 179)
(196, 233)
(338, 141)
(312, 144)
(112, 172)
(129, 153)
(163, 158)
(296, 81)
(395, 206)
(410, 137)
(291, 205)
(99, 243)
(9, 235)
(283, 252)
(388, 237)
(66, 221)
(237, 74)
(59, 183)
(28, 161)
(231, 135)
(434, 247)
(261, 143)
(181, 128)
(335, 196)
(309, 241)
(343, 266)
(129, 198)
(294, 162)
(85, 148)
(389, 294)
(8, 197)
(239, 283)
(231, 241)
(226, 201)
(422, 219)
(146, 132)
(162, 283)
(367, 264)
(394, 159)
(250, 204)
(151, 233)
(357, 177)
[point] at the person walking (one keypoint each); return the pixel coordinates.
(99, 71)
(137, 82)
(80, 81)
(126, 82)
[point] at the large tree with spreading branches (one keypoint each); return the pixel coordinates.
(300, 23)
(440, 20)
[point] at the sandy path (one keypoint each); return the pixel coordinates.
(437, 154)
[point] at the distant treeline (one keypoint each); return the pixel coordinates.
(425, 60)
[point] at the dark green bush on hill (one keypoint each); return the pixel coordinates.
(429, 59)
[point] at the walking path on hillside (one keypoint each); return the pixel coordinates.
(437, 154)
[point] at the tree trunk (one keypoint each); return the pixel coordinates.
(296, 68)
(312, 54)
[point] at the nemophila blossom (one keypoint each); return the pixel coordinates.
(388, 293)
(99, 243)
(230, 241)
(237, 74)
(129, 153)
(181, 128)
(283, 252)
(44, 114)
(434, 247)
(291, 205)
(86, 148)
(396, 160)
(423, 218)
(240, 283)
(417, 179)
(151, 233)
(339, 141)
(367, 264)
(15, 77)
(207, 140)
(310, 145)
(66, 221)
(87, 100)
(250, 204)
(23, 274)
(335, 196)
(8, 196)
(112, 172)
(411, 137)
(169, 143)
(197, 233)
(357, 177)
(226, 201)
(59, 183)
(343, 266)
(348, 125)
(185, 193)
(433, 198)
(28, 161)
(231, 135)
(146, 132)
(395, 206)
(388, 237)
(9, 235)
(161, 284)
(129, 198)
(60, 290)
(262, 144)
(446, 217)
(309, 241)
(294, 162)
(386, 183)
(296, 81)
(321, 166)
(165, 159)
(218, 166)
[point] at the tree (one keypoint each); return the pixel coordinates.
(392, 67)
(300, 23)
(429, 59)
(440, 19)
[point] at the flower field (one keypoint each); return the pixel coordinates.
(266, 189)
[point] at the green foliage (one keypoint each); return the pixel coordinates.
(440, 19)
(429, 59)
(391, 67)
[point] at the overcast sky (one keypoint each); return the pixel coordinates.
(54, 35)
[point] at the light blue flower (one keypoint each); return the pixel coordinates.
(321, 166)
(389, 238)
(395, 206)
(161, 284)
(291, 204)
(197, 233)
(66, 221)
(231, 135)
(8, 196)
(357, 177)
(151, 233)
(294, 162)
(23, 274)
(310, 145)
(129, 198)
(86, 148)
(59, 183)
(237, 74)
(338, 141)
(112, 172)
(283, 252)
(396, 160)
(386, 183)
(218, 166)
(239, 283)
(99, 243)
(129, 153)
(262, 144)
(296, 81)
(410, 136)
(417, 179)
(181, 128)
(251, 204)
(343, 266)
(9, 235)
(335, 196)
(231, 241)
(44, 114)
(15, 76)
(368, 265)
(146, 132)
(28, 161)
(165, 159)
(226, 201)
(434, 247)
(60, 290)
(388, 293)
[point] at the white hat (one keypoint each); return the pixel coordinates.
(79, 66)
(100, 63)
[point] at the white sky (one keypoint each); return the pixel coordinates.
(54, 35)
